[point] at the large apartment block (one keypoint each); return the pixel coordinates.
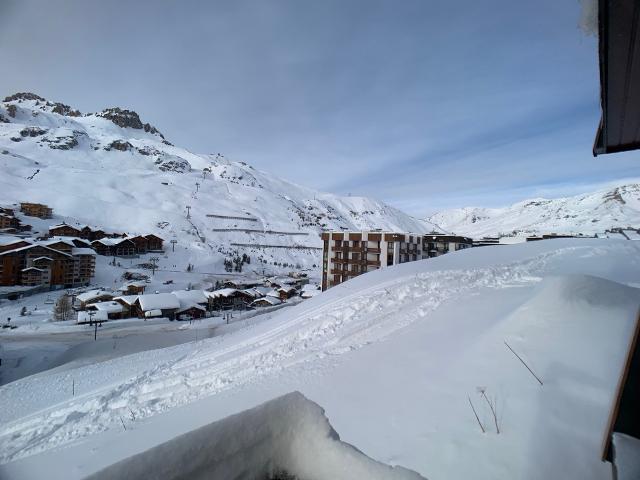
(348, 254)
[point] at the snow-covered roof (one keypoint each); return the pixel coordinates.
(190, 297)
(153, 313)
(82, 251)
(128, 299)
(272, 293)
(43, 258)
(9, 240)
(161, 301)
(223, 292)
(27, 247)
(60, 225)
(310, 293)
(111, 241)
(54, 240)
(186, 307)
(269, 300)
(92, 294)
(286, 289)
(33, 268)
(110, 307)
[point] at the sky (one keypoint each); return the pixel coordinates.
(424, 104)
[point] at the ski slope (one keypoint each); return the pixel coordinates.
(392, 356)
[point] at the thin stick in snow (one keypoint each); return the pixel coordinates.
(125, 428)
(474, 412)
(493, 411)
(523, 362)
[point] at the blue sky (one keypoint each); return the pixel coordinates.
(424, 104)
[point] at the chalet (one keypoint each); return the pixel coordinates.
(7, 211)
(191, 297)
(228, 298)
(91, 297)
(284, 293)
(114, 247)
(154, 243)
(88, 233)
(141, 242)
(133, 288)
(127, 302)
(266, 302)
(36, 210)
(11, 243)
(156, 305)
(113, 310)
(8, 221)
(191, 312)
(309, 291)
(91, 316)
(64, 230)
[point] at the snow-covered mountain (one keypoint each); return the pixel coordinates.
(587, 214)
(112, 170)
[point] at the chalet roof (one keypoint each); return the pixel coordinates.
(109, 307)
(93, 294)
(287, 289)
(151, 235)
(189, 297)
(54, 240)
(160, 301)
(223, 292)
(128, 299)
(190, 306)
(33, 268)
(43, 258)
(310, 293)
(269, 300)
(82, 251)
(60, 225)
(21, 249)
(10, 240)
(109, 242)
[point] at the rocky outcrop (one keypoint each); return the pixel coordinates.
(32, 132)
(24, 96)
(128, 119)
(119, 145)
(66, 110)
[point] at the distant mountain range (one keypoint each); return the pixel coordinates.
(588, 213)
(112, 170)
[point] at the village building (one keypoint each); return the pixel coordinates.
(64, 230)
(285, 293)
(309, 291)
(349, 254)
(112, 309)
(228, 298)
(127, 302)
(8, 222)
(156, 305)
(36, 210)
(133, 288)
(114, 247)
(83, 300)
(267, 301)
(154, 243)
(436, 244)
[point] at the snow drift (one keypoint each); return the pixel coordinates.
(288, 434)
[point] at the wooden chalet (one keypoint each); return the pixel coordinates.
(112, 309)
(156, 305)
(191, 312)
(92, 296)
(64, 230)
(154, 243)
(267, 301)
(8, 221)
(228, 298)
(285, 293)
(36, 210)
(114, 247)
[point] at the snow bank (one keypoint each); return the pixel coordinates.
(289, 434)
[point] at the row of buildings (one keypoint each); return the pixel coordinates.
(348, 254)
(112, 244)
(101, 305)
(62, 263)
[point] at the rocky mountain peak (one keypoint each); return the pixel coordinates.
(128, 119)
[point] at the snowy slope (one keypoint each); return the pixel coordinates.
(111, 170)
(392, 356)
(587, 213)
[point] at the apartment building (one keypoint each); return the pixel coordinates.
(349, 254)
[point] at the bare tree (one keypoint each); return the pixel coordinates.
(63, 308)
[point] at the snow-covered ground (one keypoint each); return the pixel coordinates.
(394, 357)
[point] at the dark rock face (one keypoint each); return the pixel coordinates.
(32, 132)
(62, 109)
(11, 110)
(118, 145)
(24, 96)
(127, 119)
(170, 163)
(66, 142)
(3, 119)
